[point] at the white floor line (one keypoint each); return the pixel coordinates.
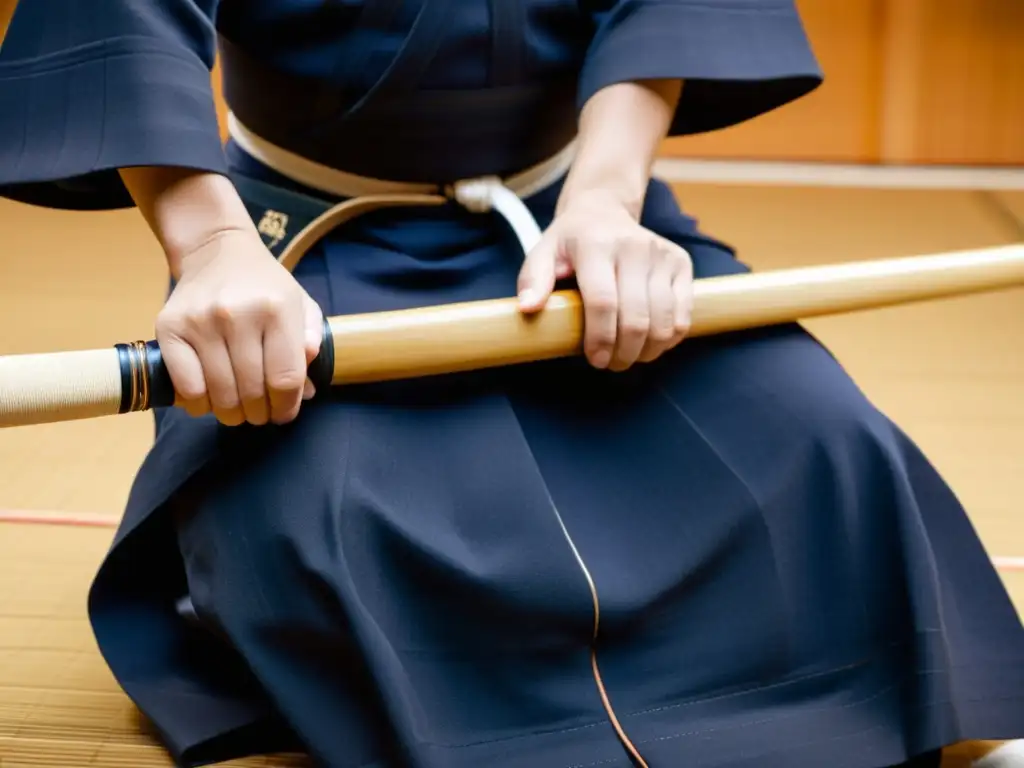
(1009, 755)
(838, 175)
(1009, 563)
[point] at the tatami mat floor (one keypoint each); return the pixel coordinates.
(951, 373)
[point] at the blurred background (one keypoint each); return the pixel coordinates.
(914, 145)
(919, 82)
(923, 82)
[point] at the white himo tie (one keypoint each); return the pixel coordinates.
(364, 193)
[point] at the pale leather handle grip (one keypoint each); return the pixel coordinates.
(61, 386)
(457, 337)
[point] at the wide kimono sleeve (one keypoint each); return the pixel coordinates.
(739, 58)
(91, 86)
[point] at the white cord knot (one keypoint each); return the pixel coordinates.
(478, 195)
(489, 193)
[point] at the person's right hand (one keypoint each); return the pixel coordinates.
(238, 333)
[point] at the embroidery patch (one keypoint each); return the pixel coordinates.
(274, 225)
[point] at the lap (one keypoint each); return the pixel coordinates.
(723, 445)
(451, 472)
(718, 490)
(430, 534)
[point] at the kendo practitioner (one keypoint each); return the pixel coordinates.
(711, 553)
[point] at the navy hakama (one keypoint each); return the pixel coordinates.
(759, 567)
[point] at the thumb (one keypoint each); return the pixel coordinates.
(313, 336)
(537, 277)
(313, 329)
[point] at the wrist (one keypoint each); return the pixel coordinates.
(187, 210)
(207, 250)
(624, 185)
(621, 128)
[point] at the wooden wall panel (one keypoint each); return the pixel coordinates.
(839, 121)
(907, 81)
(954, 77)
(6, 11)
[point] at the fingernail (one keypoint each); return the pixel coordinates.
(528, 297)
(308, 391)
(601, 359)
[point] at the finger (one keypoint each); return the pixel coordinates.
(314, 328)
(563, 267)
(284, 361)
(537, 276)
(662, 334)
(186, 373)
(595, 277)
(314, 336)
(682, 291)
(633, 272)
(245, 348)
(220, 381)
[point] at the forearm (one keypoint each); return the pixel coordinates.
(185, 209)
(621, 129)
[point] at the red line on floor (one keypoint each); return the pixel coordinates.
(39, 517)
(1009, 563)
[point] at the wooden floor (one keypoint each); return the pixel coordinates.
(951, 373)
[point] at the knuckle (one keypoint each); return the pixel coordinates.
(287, 380)
(250, 390)
(682, 258)
(598, 243)
(667, 258)
(602, 301)
(265, 309)
(640, 241)
(224, 396)
(662, 334)
(601, 340)
(191, 391)
(222, 311)
(194, 321)
(682, 325)
(627, 241)
(229, 309)
(636, 325)
(632, 244)
(271, 305)
(166, 321)
(173, 323)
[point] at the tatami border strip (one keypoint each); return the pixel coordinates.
(682, 170)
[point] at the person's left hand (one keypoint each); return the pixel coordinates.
(637, 287)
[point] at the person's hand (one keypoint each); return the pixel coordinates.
(238, 333)
(637, 287)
